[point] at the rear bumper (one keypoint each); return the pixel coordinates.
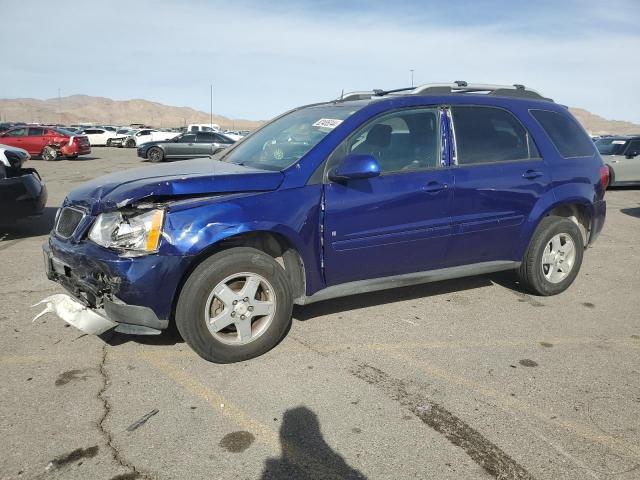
(128, 291)
(23, 195)
(599, 215)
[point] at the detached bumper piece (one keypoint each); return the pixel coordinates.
(22, 194)
(95, 311)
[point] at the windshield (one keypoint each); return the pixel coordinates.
(123, 130)
(286, 140)
(611, 146)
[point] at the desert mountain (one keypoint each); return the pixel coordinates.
(104, 111)
(82, 108)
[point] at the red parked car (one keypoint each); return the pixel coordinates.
(47, 142)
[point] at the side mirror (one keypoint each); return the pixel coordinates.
(355, 166)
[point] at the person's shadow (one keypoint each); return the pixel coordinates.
(305, 454)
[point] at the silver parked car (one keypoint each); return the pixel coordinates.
(622, 156)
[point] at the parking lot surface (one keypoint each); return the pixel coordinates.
(462, 379)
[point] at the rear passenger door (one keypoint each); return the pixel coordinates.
(204, 145)
(35, 140)
(499, 176)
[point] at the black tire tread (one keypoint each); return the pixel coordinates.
(192, 295)
(530, 271)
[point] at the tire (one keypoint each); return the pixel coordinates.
(548, 267)
(612, 177)
(155, 154)
(130, 144)
(49, 153)
(226, 274)
(108, 142)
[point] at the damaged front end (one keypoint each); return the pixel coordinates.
(111, 266)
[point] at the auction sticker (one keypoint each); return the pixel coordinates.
(329, 123)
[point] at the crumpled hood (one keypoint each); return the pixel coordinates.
(200, 176)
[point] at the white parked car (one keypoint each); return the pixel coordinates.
(98, 136)
(148, 135)
(233, 135)
(203, 127)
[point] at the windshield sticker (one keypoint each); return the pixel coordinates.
(329, 123)
(619, 142)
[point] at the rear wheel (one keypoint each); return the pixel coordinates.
(234, 306)
(155, 154)
(108, 142)
(553, 258)
(130, 144)
(49, 153)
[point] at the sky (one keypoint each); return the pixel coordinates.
(263, 58)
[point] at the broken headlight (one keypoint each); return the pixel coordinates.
(132, 233)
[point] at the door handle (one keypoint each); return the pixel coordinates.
(434, 187)
(532, 174)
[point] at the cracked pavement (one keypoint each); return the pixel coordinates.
(454, 380)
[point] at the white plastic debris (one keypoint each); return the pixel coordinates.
(75, 314)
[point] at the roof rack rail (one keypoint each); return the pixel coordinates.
(459, 86)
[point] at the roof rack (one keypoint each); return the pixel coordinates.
(459, 86)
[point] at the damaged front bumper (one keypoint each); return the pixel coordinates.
(135, 294)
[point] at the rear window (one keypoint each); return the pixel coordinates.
(565, 133)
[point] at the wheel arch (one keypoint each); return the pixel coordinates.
(274, 244)
(578, 209)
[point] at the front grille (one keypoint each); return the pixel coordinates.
(68, 221)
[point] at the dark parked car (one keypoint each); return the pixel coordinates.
(187, 145)
(375, 190)
(22, 191)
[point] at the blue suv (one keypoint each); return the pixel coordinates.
(375, 190)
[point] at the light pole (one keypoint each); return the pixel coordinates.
(211, 105)
(411, 76)
(59, 108)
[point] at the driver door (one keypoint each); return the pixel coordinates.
(184, 146)
(400, 221)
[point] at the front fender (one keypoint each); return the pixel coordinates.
(292, 214)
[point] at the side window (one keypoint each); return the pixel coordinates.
(487, 135)
(36, 132)
(191, 138)
(194, 128)
(565, 133)
(205, 137)
(633, 148)
(18, 132)
(401, 141)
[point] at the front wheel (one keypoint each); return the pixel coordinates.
(155, 154)
(553, 258)
(130, 144)
(236, 305)
(108, 142)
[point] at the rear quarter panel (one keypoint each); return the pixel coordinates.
(573, 180)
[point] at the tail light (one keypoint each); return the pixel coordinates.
(604, 178)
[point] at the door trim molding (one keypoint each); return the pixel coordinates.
(407, 279)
